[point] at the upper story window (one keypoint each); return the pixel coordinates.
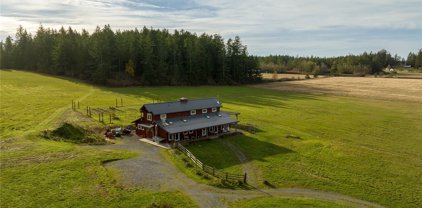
(204, 110)
(163, 116)
(149, 116)
(214, 110)
(192, 112)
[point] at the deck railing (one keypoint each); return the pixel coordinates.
(211, 170)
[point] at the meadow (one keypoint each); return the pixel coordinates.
(370, 149)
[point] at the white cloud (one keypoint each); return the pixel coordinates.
(324, 27)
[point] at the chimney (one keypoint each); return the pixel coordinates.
(183, 100)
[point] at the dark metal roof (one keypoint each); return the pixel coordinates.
(178, 106)
(188, 123)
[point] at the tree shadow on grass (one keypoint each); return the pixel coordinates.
(215, 153)
(234, 95)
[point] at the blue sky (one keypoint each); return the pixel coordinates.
(300, 27)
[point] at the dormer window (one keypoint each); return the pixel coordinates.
(192, 112)
(204, 110)
(149, 116)
(214, 110)
(163, 116)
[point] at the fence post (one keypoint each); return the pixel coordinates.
(227, 176)
(87, 111)
(116, 102)
(244, 178)
(99, 117)
(212, 171)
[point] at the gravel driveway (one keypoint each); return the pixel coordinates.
(151, 171)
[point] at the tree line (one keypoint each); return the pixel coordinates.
(131, 57)
(365, 63)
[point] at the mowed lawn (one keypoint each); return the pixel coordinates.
(366, 148)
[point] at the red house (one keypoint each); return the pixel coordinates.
(183, 120)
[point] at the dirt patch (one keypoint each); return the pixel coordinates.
(378, 88)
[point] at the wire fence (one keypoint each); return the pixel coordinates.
(211, 170)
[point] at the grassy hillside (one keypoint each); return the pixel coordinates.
(369, 149)
(37, 172)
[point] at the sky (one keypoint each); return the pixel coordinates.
(292, 27)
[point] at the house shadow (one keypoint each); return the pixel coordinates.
(235, 150)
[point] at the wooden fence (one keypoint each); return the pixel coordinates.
(211, 170)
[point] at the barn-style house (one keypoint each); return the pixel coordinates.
(183, 120)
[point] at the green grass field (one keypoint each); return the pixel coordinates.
(284, 203)
(368, 149)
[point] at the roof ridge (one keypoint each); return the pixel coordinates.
(177, 101)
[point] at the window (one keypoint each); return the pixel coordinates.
(204, 110)
(149, 117)
(139, 126)
(142, 128)
(192, 112)
(190, 132)
(214, 110)
(174, 137)
(204, 132)
(163, 116)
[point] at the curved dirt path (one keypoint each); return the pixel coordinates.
(254, 176)
(58, 113)
(152, 171)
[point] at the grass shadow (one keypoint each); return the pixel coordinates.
(217, 154)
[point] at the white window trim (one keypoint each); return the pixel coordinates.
(214, 110)
(204, 132)
(139, 126)
(191, 132)
(149, 116)
(204, 110)
(163, 116)
(192, 112)
(142, 128)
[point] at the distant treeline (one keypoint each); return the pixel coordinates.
(366, 63)
(131, 57)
